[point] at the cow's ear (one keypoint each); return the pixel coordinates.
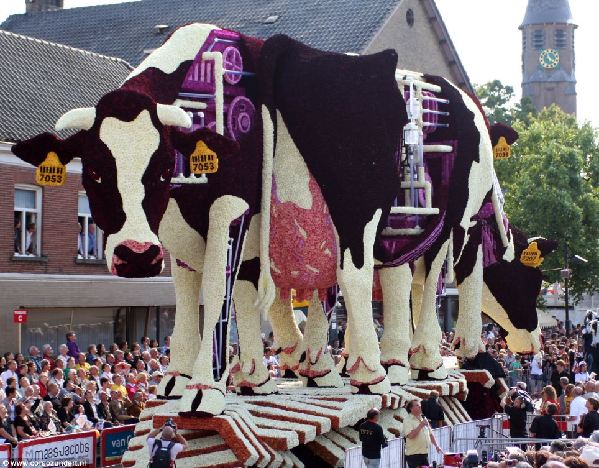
(36, 149)
(499, 130)
(187, 143)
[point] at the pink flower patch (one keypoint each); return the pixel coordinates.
(303, 247)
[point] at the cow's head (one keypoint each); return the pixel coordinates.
(510, 293)
(127, 147)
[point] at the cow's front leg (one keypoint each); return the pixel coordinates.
(427, 336)
(467, 340)
(204, 396)
(250, 375)
(395, 344)
(316, 363)
(185, 339)
(364, 360)
(287, 335)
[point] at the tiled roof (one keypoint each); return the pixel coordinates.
(128, 30)
(43, 80)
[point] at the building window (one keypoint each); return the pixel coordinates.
(561, 39)
(90, 238)
(538, 39)
(27, 222)
(410, 17)
(523, 40)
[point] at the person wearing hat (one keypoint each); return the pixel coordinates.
(581, 375)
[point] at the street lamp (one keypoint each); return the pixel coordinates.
(566, 274)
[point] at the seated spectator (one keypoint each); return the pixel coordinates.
(106, 372)
(91, 410)
(82, 363)
(22, 423)
(47, 354)
(164, 362)
(63, 354)
(35, 357)
(81, 419)
(136, 407)
(53, 396)
(581, 375)
(10, 402)
(117, 407)
(57, 377)
(166, 347)
(7, 430)
(156, 378)
(65, 412)
(92, 354)
(49, 421)
(104, 411)
(118, 386)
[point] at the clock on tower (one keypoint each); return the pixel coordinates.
(548, 75)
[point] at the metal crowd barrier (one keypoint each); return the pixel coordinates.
(497, 445)
(392, 456)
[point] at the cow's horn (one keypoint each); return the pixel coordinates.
(79, 119)
(173, 115)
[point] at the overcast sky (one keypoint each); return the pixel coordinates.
(486, 36)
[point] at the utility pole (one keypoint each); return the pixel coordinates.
(566, 276)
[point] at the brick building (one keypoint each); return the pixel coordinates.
(47, 265)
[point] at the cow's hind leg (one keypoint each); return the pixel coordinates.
(395, 344)
(316, 363)
(185, 339)
(427, 336)
(203, 396)
(287, 335)
(364, 361)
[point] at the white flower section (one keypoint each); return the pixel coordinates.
(132, 145)
(290, 170)
(286, 333)
(183, 45)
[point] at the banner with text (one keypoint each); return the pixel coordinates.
(77, 449)
(114, 443)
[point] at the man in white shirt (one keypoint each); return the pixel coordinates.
(10, 372)
(169, 435)
(577, 407)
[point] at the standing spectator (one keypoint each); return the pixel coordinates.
(545, 427)
(590, 421)
(536, 373)
(73, 348)
(559, 372)
(419, 436)
(372, 438)
(164, 451)
(564, 382)
(549, 395)
(34, 356)
(515, 370)
(589, 389)
(431, 409)
(516, 409)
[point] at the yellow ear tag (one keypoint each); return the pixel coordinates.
(51, 172)
(203, 160)
(531, 257)
(502, 150)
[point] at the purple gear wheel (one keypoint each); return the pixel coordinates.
(232, 61)
(239, 116)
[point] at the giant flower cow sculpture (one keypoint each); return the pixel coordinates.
(316, 175)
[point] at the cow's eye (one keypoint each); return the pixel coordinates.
(166, 175)
(94, 175)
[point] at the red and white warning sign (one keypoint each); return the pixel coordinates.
(19, 316)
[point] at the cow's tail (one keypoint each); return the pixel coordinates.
(498, 209)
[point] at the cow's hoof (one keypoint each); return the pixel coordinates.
(321, 372)
(172, 385)
(289, 357)
(440, 373)
(467, 348)
(202, 401)
(380, 386)
(247, 388)
(398, 374)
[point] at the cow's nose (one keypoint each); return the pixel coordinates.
(133, 259)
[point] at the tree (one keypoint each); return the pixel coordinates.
(551, 189)
(498, 101)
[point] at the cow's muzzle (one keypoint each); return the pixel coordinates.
(132, 259)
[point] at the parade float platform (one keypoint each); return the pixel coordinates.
(283, 429)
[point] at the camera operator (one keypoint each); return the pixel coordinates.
(516, 406)
(164, 451)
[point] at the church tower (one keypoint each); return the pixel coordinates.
(548, 65)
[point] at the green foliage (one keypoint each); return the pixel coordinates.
(551, 186)
(498, 101)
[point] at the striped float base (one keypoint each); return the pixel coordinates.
(262, 430)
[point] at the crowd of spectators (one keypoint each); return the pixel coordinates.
(48, 393)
